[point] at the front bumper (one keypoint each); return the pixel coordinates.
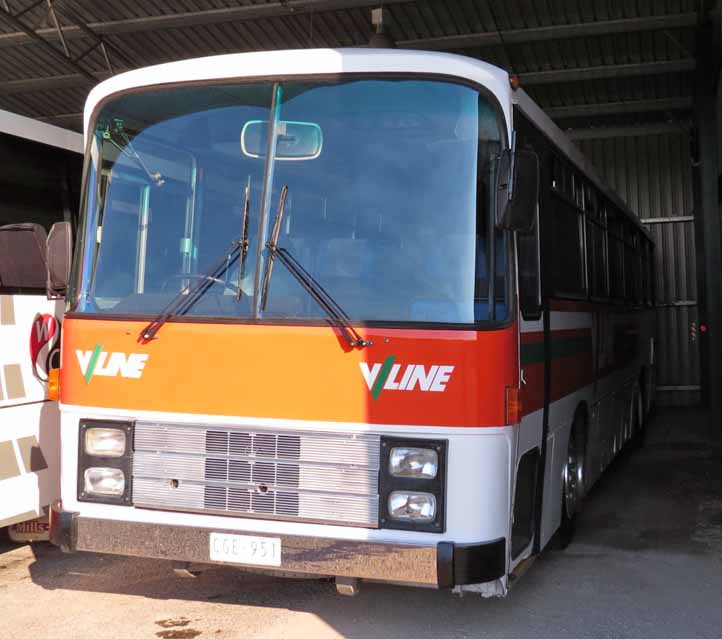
(443, 565)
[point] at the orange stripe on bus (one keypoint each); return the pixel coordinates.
(290, 372)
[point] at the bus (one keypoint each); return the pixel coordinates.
(39, 200)
(362, 314)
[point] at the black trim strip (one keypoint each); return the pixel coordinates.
(539, 497)
(479, 563)
(439, 326)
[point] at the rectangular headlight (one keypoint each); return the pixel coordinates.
(109, 482)
(105, 442)
(421, 463)
(412, 507)
(412, 484)
(105, 461)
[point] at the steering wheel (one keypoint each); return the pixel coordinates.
(198, 276)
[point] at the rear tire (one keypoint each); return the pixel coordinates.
(572, 483)
(639, 429)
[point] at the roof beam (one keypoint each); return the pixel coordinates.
(194, 18)
(628, 130)
(554, 32)
(286, 7)
(66, 120)
(533, 78)
(58, 55)
(612, 108)
(48, 83)
(554, 76)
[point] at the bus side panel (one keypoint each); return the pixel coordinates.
(29, 424)
(29, 460)
(531, 428)
(571, 386)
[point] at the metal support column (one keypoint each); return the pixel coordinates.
(708, 231)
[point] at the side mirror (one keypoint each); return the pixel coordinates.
(59, 257)
(517, 190)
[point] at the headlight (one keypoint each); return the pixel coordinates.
(421, 463)
(105, 442)
(104, 481)
(406, 506)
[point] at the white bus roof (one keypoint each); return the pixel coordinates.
(30, 129)
(308, 62)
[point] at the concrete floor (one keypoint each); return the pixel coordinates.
(646, 562)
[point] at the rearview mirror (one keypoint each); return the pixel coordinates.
(59, 257)
(517, 190)
(295, 140)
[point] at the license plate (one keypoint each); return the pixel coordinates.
(33, 530)
(245, 549)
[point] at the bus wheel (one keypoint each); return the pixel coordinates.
(572, 483)
(638, 425)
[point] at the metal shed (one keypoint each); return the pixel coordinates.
(634, 83)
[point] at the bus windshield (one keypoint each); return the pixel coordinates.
(388, 201)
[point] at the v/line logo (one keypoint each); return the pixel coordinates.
(100, 362)
(388, 376)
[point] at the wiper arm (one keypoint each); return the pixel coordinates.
(336, 314)
(187, 297)
(120, 131)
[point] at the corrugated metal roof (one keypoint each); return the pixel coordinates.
(615, 44)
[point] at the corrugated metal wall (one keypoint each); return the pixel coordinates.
(654, 175)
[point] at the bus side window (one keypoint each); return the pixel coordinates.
(529, 277)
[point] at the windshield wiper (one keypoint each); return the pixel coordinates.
(244, 238)
(119, 130)
(187, 297)
(335, 313)
(268, 271)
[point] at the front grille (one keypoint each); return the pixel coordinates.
(327, 477)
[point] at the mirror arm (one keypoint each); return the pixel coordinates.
(512, 166)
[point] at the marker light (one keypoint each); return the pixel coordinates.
(104, 481)
(412, 507)
(415, 463)
(105, 442)
(54, 384)
(513, 405)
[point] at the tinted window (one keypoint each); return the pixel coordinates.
(390, 213)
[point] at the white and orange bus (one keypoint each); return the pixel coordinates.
(364, 314)
(39, 194)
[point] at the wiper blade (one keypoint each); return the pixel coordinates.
(320, 295)
(187, 297)
(244, 239)
(273, 242)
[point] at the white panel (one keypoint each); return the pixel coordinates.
(30, 129)
(309, 62)
(477, 510)
(31, 491)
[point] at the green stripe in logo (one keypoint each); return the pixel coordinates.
(93, 362)
(383, 374)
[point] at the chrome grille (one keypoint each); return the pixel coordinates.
(329, 477)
